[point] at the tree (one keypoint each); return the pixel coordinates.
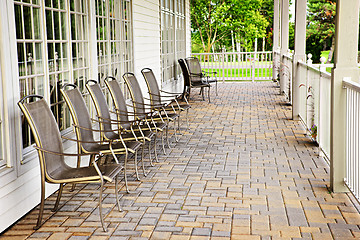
(321, 25)
(214, 21)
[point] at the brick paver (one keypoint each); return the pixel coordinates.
(244, 170)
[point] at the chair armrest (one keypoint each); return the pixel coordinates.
(81, 141)
(170, 92)
(208, 72)
(66, 154)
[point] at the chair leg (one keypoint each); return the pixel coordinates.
(162, 142)
(187, 119)
(117, 193)
(61, 187)
(209, 94)
(100, 206)
(178, 127)
(78, 165)
(136, 165)
(202, 91)
(41, 210)
(216, 87)
(150, 158)
(167, 136)
(175, 132)
(155, 150)
(125, 173)
(142, 159)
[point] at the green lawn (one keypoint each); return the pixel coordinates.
(241, 73)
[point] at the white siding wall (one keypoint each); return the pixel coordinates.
(146, 38)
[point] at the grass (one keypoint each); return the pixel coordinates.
(241, 73)
(325, 54)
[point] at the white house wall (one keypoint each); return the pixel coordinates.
(20, 184)
(146, 38)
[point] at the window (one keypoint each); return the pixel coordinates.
(53, 47)
(57, 43)
(2, 160)
(55, 30)
(108, 25)
(128, 61)
(172, 36)
(180, 30)
(114, 39)
(30, 54)
(79, 42)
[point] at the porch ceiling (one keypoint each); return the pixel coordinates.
(244, 168)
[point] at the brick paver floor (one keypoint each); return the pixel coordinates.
(244, 170)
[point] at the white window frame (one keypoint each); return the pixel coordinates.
(89, 69)
(27, 152)
(3, 161)
(172, 14)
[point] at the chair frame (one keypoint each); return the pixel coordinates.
(204, 75)
(171, 97)
(102, 121)
(80, 141)
(154, 115)
(189, 84)
(99, 178)
(143, 124)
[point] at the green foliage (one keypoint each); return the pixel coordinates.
(214, 21)
(321, 18)
(321, 27)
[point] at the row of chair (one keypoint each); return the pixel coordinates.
(133, 129)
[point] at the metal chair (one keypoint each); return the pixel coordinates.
(157, 96)
(139, 107)
(106, 123)
(189, 84)
(197, 74)
(123, 114)
(85, 132)
(166, 109)
(53, 167)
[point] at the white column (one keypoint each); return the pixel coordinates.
(276, 35)
(346, 48)
(284, 40)
(299, 54)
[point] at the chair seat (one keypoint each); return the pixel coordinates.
(172, 116)
(160, 125)
(199, 84)
(95, 147)
(183, 106)
(127, 135)
(211, 80)
(86, 174)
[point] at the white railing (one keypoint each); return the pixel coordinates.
(315, 106)
(286, 66)
(352, 179)
(232, 66)
(276, 65)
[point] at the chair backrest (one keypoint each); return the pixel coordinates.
(135, 92)
(117, 97)
(194, 67)
(185, 73)
(152, 85)
(79, 113)
(101, 106)
(46, 134)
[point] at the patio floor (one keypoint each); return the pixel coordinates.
(242, 171)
